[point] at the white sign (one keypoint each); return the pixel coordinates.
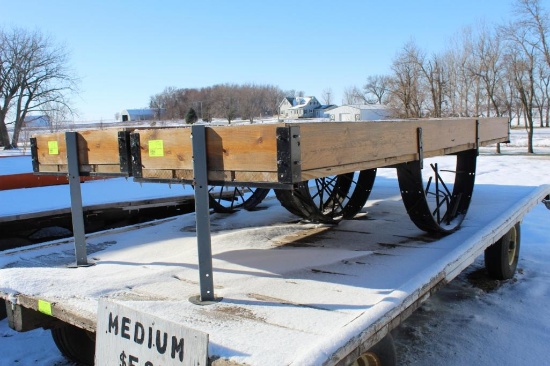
(127, 337)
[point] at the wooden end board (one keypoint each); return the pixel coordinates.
(235, 153)
(98, 153)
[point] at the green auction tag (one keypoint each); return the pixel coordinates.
(53, 149)
(156, 148)
(45, 307)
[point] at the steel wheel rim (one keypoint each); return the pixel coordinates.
(367, 359)
(438, 205)
(329, 199)
(226, 199)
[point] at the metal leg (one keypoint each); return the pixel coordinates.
(76, 200)
(202, 214)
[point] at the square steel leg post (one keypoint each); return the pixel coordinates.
(202, 214)
(77, 212)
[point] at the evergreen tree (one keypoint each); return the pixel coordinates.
(191, 116)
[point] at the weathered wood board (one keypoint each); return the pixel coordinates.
(255, 154)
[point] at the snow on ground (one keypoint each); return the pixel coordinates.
(471, 321)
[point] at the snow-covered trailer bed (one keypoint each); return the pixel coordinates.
(291, 293)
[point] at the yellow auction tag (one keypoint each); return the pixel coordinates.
(156, 148)
(45, 307)
(53, 149)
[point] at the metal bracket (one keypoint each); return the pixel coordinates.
(77, 213)
(124, 153)
(135, 153)
(477, 137)
(289, 164)
(420, 147)
(34, 154)
(202, 215)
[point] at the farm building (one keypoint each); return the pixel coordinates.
(367, 112)
(37, 121)
(323, 111)
(141, 114)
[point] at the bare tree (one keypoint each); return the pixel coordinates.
(326, 95)
(434, 76)
(226, 101)
(57, 117)
(407, 96)
(34, 76)
(376, 89)
(352, 95)
(251, 101)
(521, 60)
(534, 19)
(487, 52)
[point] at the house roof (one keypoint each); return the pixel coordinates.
(302, 101)
(37, 121)
(139, 112)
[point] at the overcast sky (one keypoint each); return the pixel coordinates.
(126, 51)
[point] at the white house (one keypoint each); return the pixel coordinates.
(367, 112)
(298, 107)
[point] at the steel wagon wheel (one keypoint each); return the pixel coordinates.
(329, 199)
(441, 204)
(225, 199)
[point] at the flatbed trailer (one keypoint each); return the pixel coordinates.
(328, 304)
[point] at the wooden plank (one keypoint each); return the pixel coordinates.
(29, 316)
(167, 148)
(332, 145)
(493, 130)
(229, 148)
(243, 148)
(98, 152)
(45, 155)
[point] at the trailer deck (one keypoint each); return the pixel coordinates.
(292, 293)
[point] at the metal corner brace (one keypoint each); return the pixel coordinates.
(289, 164)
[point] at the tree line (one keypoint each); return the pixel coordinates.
(501, 70)
(229, 101)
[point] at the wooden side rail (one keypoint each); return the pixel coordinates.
(266, 154)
